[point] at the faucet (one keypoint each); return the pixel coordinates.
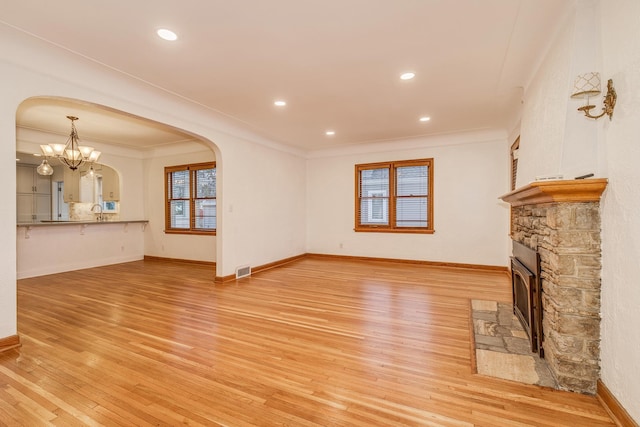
(97, 205)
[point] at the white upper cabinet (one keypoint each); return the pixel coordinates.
(110, 184)
(78, 189)
(71, 185)
(33, 194)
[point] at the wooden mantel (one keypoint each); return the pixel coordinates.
(574, 190)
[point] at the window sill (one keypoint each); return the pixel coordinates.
(392, 230)
(193, 232)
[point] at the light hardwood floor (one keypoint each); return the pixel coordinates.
(328, 342)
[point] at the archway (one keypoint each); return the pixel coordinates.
(138, 149)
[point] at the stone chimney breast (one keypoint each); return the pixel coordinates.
(561, 221)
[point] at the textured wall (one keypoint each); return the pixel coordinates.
(548, 119)
(544, 114)
(620, 206)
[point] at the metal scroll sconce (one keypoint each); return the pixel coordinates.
(587, 85)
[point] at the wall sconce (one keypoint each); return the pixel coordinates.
(587, 85)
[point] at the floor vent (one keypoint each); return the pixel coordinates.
(243, 272)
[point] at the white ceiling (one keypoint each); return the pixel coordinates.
(336, 62)
(96, 124)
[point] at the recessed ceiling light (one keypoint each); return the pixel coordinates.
(407, 76)
(165, 34)
(425, 119)
(280, 103)
(330, 133)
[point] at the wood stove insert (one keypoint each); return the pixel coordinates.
(527, 290)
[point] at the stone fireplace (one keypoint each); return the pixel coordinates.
(560, 220)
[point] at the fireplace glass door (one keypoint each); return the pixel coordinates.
(523, 282)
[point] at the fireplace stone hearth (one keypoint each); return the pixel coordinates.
(561, 221)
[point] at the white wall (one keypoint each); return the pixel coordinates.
(556, 139)
(621, 205)
(266, 207)
(263, 181)
(544, 114)
(178, 246)
(57, 248)
(471, 224)
(551, 128)
(8, 300)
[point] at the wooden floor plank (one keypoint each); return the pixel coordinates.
(319, 341)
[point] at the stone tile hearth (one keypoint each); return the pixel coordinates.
(502, 348)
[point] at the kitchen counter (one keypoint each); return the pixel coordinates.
(82, 224)
(56, 223)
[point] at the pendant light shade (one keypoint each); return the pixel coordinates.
(44, 168)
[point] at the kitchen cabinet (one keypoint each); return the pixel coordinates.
(75, 191)
(33, 194)
(71, 185)
(28, 180)
(110, 185)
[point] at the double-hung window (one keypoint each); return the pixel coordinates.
(395, 196)
(190, 196)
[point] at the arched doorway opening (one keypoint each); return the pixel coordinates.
(138, 150)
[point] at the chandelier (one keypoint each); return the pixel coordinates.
(71, 154)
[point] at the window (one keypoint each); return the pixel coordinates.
(514, 162)
(395, 196)
(515, 148)
(190, 196)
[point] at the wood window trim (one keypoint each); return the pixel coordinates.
(514, 162)
(192, 232)
(514, 175)
(391, 228)
(167, 201)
